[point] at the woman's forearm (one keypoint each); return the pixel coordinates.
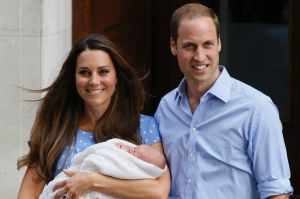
(31, 185)
(133, 189)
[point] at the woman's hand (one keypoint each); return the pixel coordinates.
(77, 185)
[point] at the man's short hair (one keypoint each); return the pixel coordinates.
(189, 11)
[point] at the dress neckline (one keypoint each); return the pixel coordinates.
(84, 132)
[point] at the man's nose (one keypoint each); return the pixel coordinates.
(199, 55)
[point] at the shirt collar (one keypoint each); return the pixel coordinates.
(221, 88)
(181, 90)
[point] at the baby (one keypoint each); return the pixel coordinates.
(116, 158)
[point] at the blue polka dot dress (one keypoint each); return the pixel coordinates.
(148, 130)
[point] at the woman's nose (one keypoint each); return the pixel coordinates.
(94, 80)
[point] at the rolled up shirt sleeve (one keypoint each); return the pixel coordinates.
(275, 187)
(268, 152)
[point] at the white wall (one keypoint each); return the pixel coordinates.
(35, 37)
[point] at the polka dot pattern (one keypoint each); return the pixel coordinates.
(148, 131)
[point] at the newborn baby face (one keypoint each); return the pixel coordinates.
(146, 153)
(135, 151)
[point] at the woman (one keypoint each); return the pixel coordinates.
(96, 96)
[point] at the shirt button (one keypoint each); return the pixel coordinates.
(194, 129)
(192, 157)
(189, 180)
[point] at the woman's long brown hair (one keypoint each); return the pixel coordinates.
(61, 109)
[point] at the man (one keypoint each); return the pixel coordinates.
(222, 138)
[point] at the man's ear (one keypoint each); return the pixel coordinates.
(173, 46)
(219, 44)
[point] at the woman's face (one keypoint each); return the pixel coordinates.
(96, 79)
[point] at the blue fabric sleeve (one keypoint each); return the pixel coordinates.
(149, 130)
(268, 153)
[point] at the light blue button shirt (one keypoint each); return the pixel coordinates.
(231, 147)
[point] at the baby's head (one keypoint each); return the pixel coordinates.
(146, 153)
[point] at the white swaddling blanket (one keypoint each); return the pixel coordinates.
(107, 159)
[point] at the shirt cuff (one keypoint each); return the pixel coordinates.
(275, 187)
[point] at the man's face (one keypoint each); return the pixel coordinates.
(197, 49)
